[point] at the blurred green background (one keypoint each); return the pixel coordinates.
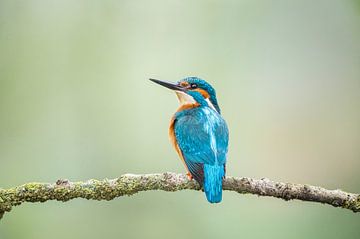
(76, 103)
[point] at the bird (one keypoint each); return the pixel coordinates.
(199, 134)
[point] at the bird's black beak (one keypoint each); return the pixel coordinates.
(169, 85)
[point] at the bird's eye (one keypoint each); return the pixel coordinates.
(193, 86)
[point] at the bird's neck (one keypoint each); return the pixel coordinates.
(190, 101)
(187, 106)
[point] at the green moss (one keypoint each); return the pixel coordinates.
(356, 207)
(32, 186)
(352, 205)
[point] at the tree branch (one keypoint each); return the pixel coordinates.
(129, 184)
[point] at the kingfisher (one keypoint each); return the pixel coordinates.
(199, 134)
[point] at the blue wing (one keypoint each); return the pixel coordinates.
(202, 136)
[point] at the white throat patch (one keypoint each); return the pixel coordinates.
(185, 98)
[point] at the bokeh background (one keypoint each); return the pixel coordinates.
(76, 103)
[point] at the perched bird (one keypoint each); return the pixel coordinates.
(199, 134)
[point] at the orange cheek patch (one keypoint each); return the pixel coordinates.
(184, 84)
(203, 93)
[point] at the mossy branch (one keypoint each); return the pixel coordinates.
(129, 184)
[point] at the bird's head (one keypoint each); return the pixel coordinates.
(192, 90)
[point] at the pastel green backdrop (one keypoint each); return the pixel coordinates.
(76, 103)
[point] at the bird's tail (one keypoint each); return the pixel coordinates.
(213, 178)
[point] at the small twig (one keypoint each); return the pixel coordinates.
(129, 184)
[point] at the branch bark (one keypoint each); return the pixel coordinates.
(129, 184)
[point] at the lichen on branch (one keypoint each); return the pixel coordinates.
(129, 184)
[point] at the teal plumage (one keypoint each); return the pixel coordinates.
(200, 135)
